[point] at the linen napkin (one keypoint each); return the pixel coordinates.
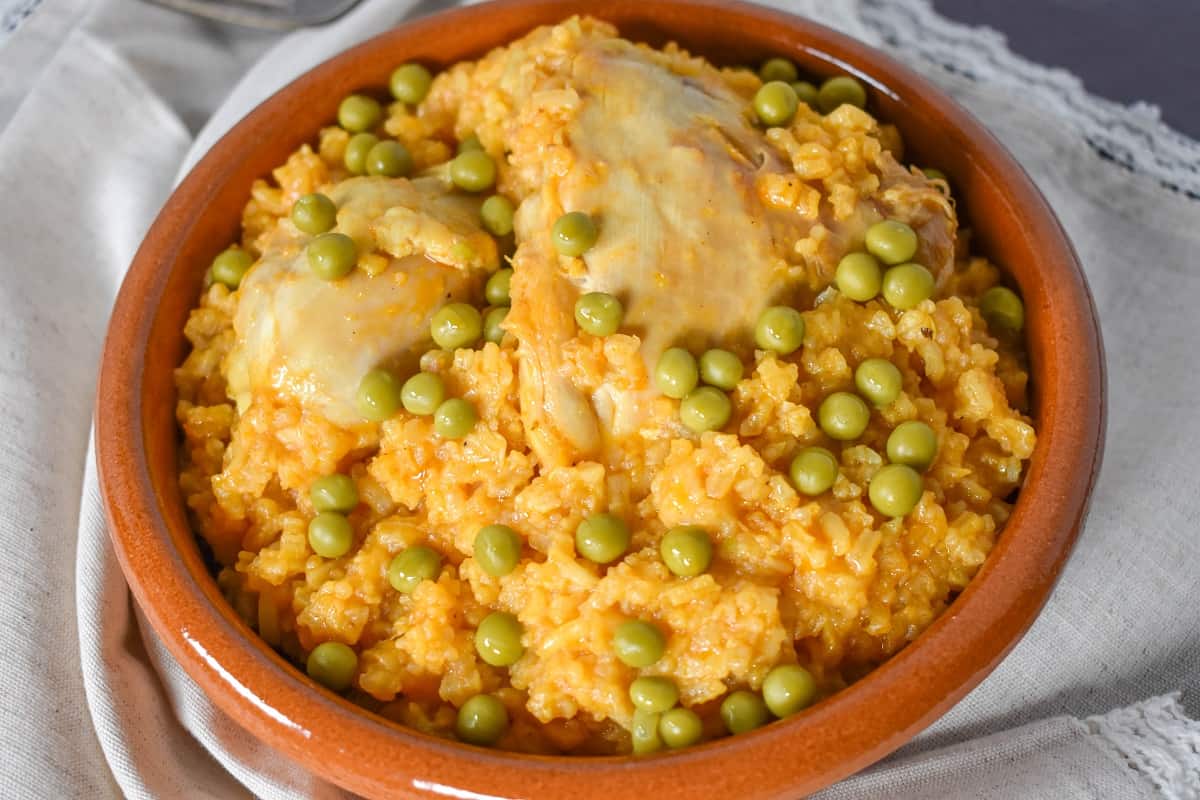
(103, 105)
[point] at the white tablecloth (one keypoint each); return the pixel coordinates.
(103, 103)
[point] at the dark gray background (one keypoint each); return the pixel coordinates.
(1124, 50)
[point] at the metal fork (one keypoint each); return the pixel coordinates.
(277, 15)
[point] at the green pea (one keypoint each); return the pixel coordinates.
(859, 276)
(599, 313)
(841, 90)
(878, 380)
(891, 241)
(895, 490)
(331, 256)
(654, 693)
(813, 471)
(778, 69)
(498, 639)
(493, 322)
(743, 711)
(412, 566)
(410, 83)
(314, 213)
(497, 288)
(1002, 309)
(687, 550)
(333, 665)
(639, 643)
(705, 409)
(913, 443)
(482, 720)
(456, 325)
(805, 92)
(358, 113)
(720, 368)
(779, 329)
(473, 171)
(335, 492)
(676, 373)
(230, 266)
(468, 144)
(934, 174)
(497, 215)
(379, 395)
(423, 393)
(645, 733)
(843, 416)
(454, 418)
(357, 149)
(497, 549)
(907, 285)
(776, 104)
(330, 535)
(788, 688)
(390, 159)
(680, 727)
(602, 538)
(574, 233)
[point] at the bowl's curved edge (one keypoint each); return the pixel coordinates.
(286, 710)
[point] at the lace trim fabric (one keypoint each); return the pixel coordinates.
(1135, 137)
(1157, 739)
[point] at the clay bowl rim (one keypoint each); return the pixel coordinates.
(839, 735)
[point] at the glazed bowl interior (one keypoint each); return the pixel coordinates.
(137, 440)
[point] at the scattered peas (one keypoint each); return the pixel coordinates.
(468, 144)
(779, 329)
(806, 93)
(602, 538)
(412, 566)
(1002, 309)
(333, 665)
(645, 732)
(330, 534)
(358, 113)
(676, 373)
(498, 639)
(687, 550)
(778, 69)
(891, 241)
(454, 418)
(934, 174)
(456, 325)
(906, 285)
(410, 83)
(776, 104)
(705, 409)
(473, 171)
(314, 213)
(680, 727)
(482, 720)
(599, 313)
(654, 693)
(497, 549)
(331, 256)
(496, 290)
(813, 471)
(895, 490)
(423, 393)
(493, 321)
(639, 643)
(230, 266)
(840, 90)
(497, 215)
(788, 688)
(390, 159)
(574, 233)
(379, 395)
(335, 492)
(843, 416)
(878, 380)
(913, 443)
(743, 711)
(859, 276)
(355, 157)
(720, 368)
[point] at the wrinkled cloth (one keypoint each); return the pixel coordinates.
(104, 105)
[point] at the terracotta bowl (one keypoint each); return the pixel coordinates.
(137, 440)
